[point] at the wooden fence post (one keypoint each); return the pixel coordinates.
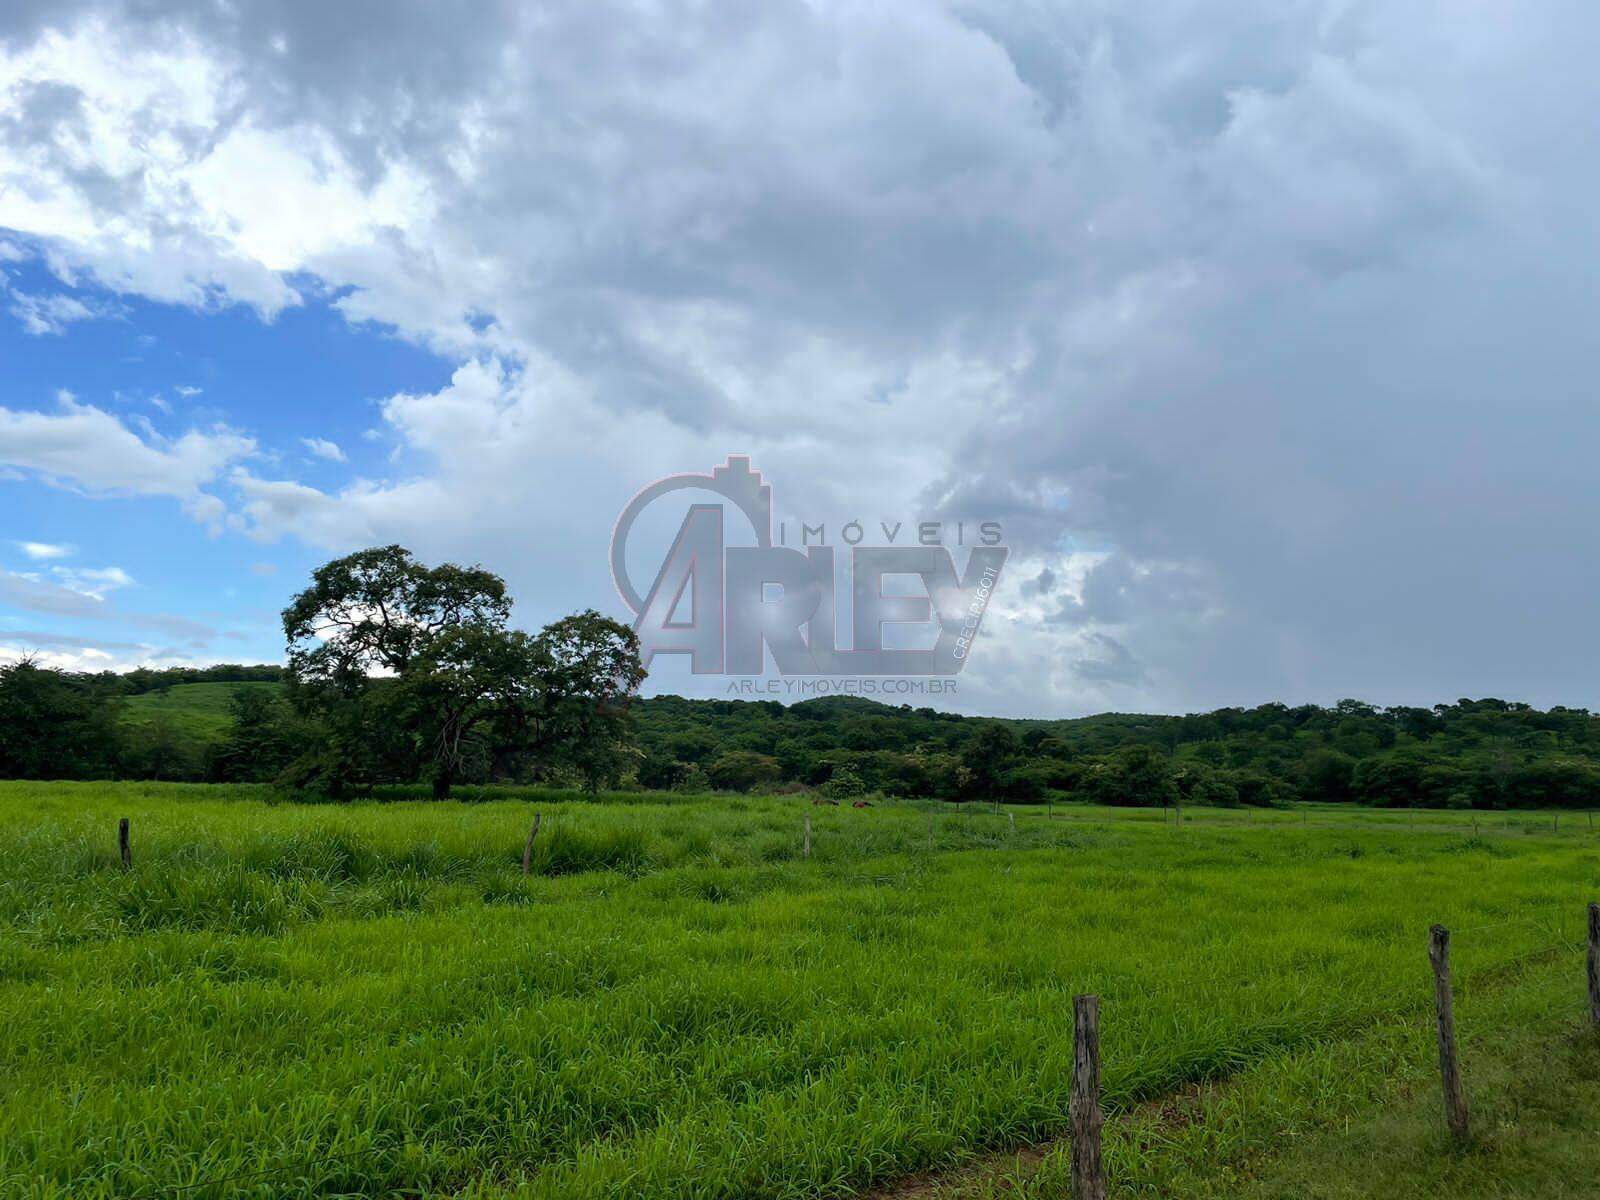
(1455, 1100)
(527, 847)
(124, 846)
(930, 831)
(1013, 818)
(1594, 964)
(808, 836)
(1088, 1170)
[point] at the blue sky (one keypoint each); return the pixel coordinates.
(306, 372)
(1264, 329)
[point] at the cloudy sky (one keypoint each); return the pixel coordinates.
(1267, 330)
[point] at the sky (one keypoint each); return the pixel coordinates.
(1265, 330)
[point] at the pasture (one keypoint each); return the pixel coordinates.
(372, 999)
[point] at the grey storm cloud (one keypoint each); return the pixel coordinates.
(1281, 313)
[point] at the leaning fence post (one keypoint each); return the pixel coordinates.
(1088, 1170)
(1594, 964)
(124, 847)
(808, 836)
(1455, 1100)
(527, 848)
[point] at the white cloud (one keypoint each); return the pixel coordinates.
(35, 595)
(41, 315)
(78, 592)
(82, 658)
(93, 581)
(87, 448)
(323, 448)
(69, 653)
(40, 551)
(135, 164)
(271, 509)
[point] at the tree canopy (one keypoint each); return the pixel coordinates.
(373, 611)
(411, 671)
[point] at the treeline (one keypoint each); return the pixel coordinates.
(143, 680)
(1471, 754)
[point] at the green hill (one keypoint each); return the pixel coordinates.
(197, 713)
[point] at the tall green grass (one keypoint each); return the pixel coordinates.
(282, 1000)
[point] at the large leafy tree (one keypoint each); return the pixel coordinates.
(590, 672)
(410, 670)
(370, 613)
(374, 644)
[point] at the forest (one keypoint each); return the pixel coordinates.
(1470, 754)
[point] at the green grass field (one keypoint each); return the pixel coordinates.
(284, 1000)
